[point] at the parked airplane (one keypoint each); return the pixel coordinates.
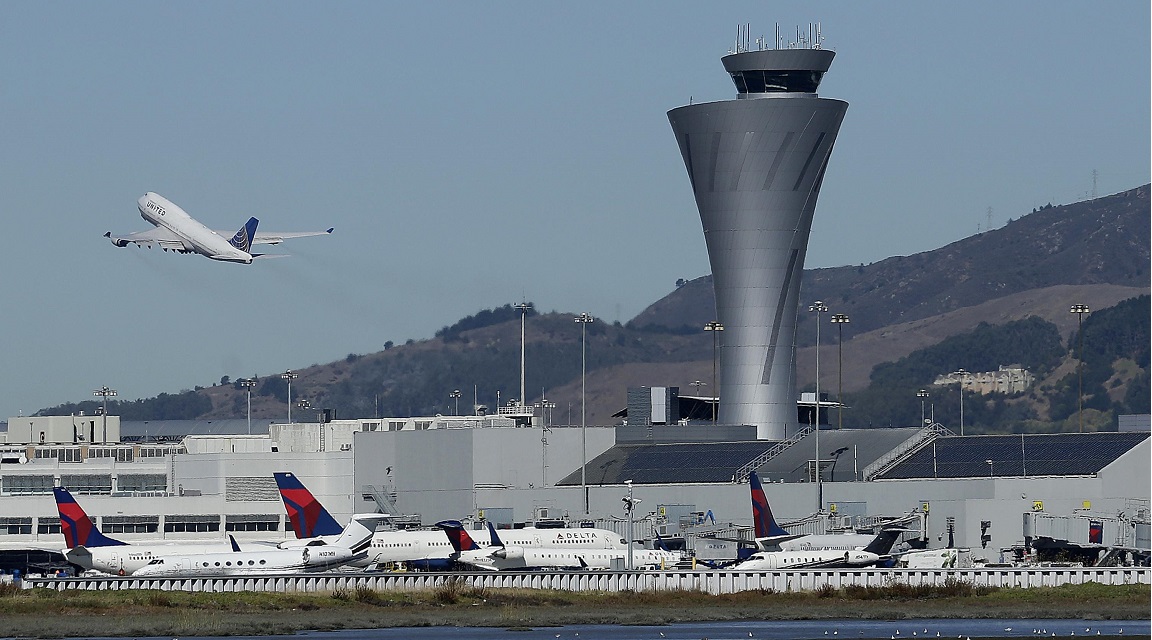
(424, 549)
(177, 231)
(769, 560)
(771, 536)
(91, 549)
(499, 556)
(316, 556)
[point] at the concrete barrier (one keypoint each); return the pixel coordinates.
(713, 581)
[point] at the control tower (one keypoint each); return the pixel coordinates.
(756, 164)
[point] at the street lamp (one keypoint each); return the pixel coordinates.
(715, 327)
(544, 405)
(697, 384)
(289, 375)
(105, 393)
(630, 507)
(991, 468)
(840, 319)
(523, 307)
(1080, 310)
(962, 374)
(583, 319)
(923, 395)
(818, 307)
(455, 395)
(248, 384)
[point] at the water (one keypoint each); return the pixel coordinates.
(760, 629)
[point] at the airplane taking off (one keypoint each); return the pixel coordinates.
(179, 232)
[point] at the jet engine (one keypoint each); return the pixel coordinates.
(509, 553)
(116, 241)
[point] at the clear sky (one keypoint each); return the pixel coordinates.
(472, 154)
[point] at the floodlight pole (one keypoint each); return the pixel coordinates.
(818, 307)
(715, 327)
(1080, 310)
(962, 375)
(583, 319)
(840, 319)
(523, 307)
(289, 375)
(248, 384)
(105, 393)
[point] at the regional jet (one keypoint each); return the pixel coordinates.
(181, 233)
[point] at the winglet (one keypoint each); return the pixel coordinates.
(309, 518)
(765, 524)
(242, 240)
(77, 527)
(458, 536)
(235, 545)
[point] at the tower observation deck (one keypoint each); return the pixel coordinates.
(756, 164)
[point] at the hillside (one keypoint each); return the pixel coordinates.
(1094, 252)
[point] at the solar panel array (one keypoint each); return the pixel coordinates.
(670, 463)
(1046, 454)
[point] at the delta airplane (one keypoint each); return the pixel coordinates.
(771, 536)
(499, 556)
(91, 549)
(179, 232)
(316, 556)
(423, 549)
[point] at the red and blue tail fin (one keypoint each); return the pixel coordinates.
(765, 524)
(458, 536)
(309, 518)
(76, 526)
(242, 239)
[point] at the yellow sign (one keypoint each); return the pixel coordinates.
(1037, 505)
(480, 514)
(832, 508)
(1087, 504)
(662, 511)
(924, 507)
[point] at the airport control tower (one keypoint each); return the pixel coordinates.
(756, 164)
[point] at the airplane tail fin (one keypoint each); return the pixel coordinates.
(242, 240)
(883, 542)
(496, 541)
(458, 536)
(309, 518)
(77, 528)
(765, 524)
(358, 534)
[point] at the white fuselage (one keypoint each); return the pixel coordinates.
(770, 560)
(513, 558)
(828, 542)
(418, 546)
(271, 560)
(195, 237)
(127, 559)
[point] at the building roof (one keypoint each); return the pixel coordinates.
(1037, 454)
(670, 463)
(849, 450)
(174, 430)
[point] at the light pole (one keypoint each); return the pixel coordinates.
(818, 307)
(1080, 310)
(962, 374)
(105, 393)
(289, 375)
(455, 395)
(840, 319)
(922, 394)
(523, 307)
(697, 384)
(991, 468)
(630, 507)
(248, 384)
(583, 319)
(715, 327)
(544, 404)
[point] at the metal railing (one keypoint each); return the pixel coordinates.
(906, 448)
(743, 472)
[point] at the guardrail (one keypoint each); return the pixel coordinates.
(713, 581)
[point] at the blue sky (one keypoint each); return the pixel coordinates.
(474, 154)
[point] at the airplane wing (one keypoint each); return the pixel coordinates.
(273, 237)
(159, 236)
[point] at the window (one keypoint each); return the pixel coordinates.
(87, 483)
(26, 485)
(254, 522)
(142, 482)
(130, 524)
(15, 526)
(191, 524)
(48, 525)
(119, 454)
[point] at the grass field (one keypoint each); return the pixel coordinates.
(43, 613)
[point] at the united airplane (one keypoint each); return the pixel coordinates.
(179, 232)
